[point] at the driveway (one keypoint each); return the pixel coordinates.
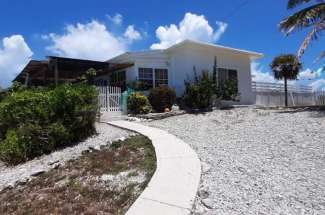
(256, 161)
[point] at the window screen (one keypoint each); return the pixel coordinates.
(146, 77)
(161, 77)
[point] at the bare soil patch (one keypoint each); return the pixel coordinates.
(105, 181)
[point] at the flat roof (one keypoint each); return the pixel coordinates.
(69, 68)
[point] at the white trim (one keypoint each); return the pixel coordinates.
(148, 53)
(154, 74)
(254, 55)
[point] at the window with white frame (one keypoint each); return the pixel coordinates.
(161, 77)
(146, 77)
(153, 77)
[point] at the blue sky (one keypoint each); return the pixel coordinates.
(103, 28)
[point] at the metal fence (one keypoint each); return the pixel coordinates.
(278, 87)
(272, 94)
(319, 97)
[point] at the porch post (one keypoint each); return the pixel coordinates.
(56, 72)
(26, 79)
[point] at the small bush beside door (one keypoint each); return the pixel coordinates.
(138, 103)
(161, 98)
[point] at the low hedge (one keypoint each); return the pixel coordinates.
(161, 98)
(138, 103)
(37, 121)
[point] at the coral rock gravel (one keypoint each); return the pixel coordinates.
(256, 161)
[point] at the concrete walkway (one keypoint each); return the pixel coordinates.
(174, 185)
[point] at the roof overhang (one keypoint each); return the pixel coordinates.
(251, 54)
(70, 69)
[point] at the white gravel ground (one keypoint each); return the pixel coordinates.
(256, 161)
(10, 177)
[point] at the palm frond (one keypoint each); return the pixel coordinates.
(303, 18)
(322, 55)
(312, 35)
(286, 66)
(295, 3)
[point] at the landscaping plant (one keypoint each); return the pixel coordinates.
(311, 18)
(37, 121)
(199, 93)
(138, 103)
(161, 98)
(286, 67)
(227, 90)
(138, 85)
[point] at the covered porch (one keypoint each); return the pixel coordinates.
(55, 70)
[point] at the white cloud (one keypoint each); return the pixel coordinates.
(222, 27)
(259, 76)
(117, 19)
(131, 34)
(87, 41)
(192, 26)
(309, 74)
(14, 55)
(318, 84)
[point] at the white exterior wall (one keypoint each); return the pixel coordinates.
(150, 59)
(183, 59)
(153, 60)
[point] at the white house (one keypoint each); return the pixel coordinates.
(173, 65)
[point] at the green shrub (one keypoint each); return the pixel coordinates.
(138, 103)
(16, 87)
(29, 106)
(3, 95)
(10, 149)
(76, 107)
(199, 93)
(228, 90)
(161, 98)
(23, 143)
(139, 85)
(58, 135)
(37, 121)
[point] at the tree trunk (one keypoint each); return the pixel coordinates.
(286, 92)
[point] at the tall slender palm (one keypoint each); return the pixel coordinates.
(286, 67)
(312, 17)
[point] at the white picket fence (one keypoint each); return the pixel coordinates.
(110, 98)
(272, 94)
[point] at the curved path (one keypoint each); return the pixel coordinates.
(174, 185)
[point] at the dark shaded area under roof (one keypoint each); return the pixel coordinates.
(60, 69)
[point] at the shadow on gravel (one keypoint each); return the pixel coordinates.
(316, 111)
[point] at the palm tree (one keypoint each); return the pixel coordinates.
(286, 67)
(311, 17)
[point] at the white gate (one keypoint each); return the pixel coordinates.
(110, 98)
